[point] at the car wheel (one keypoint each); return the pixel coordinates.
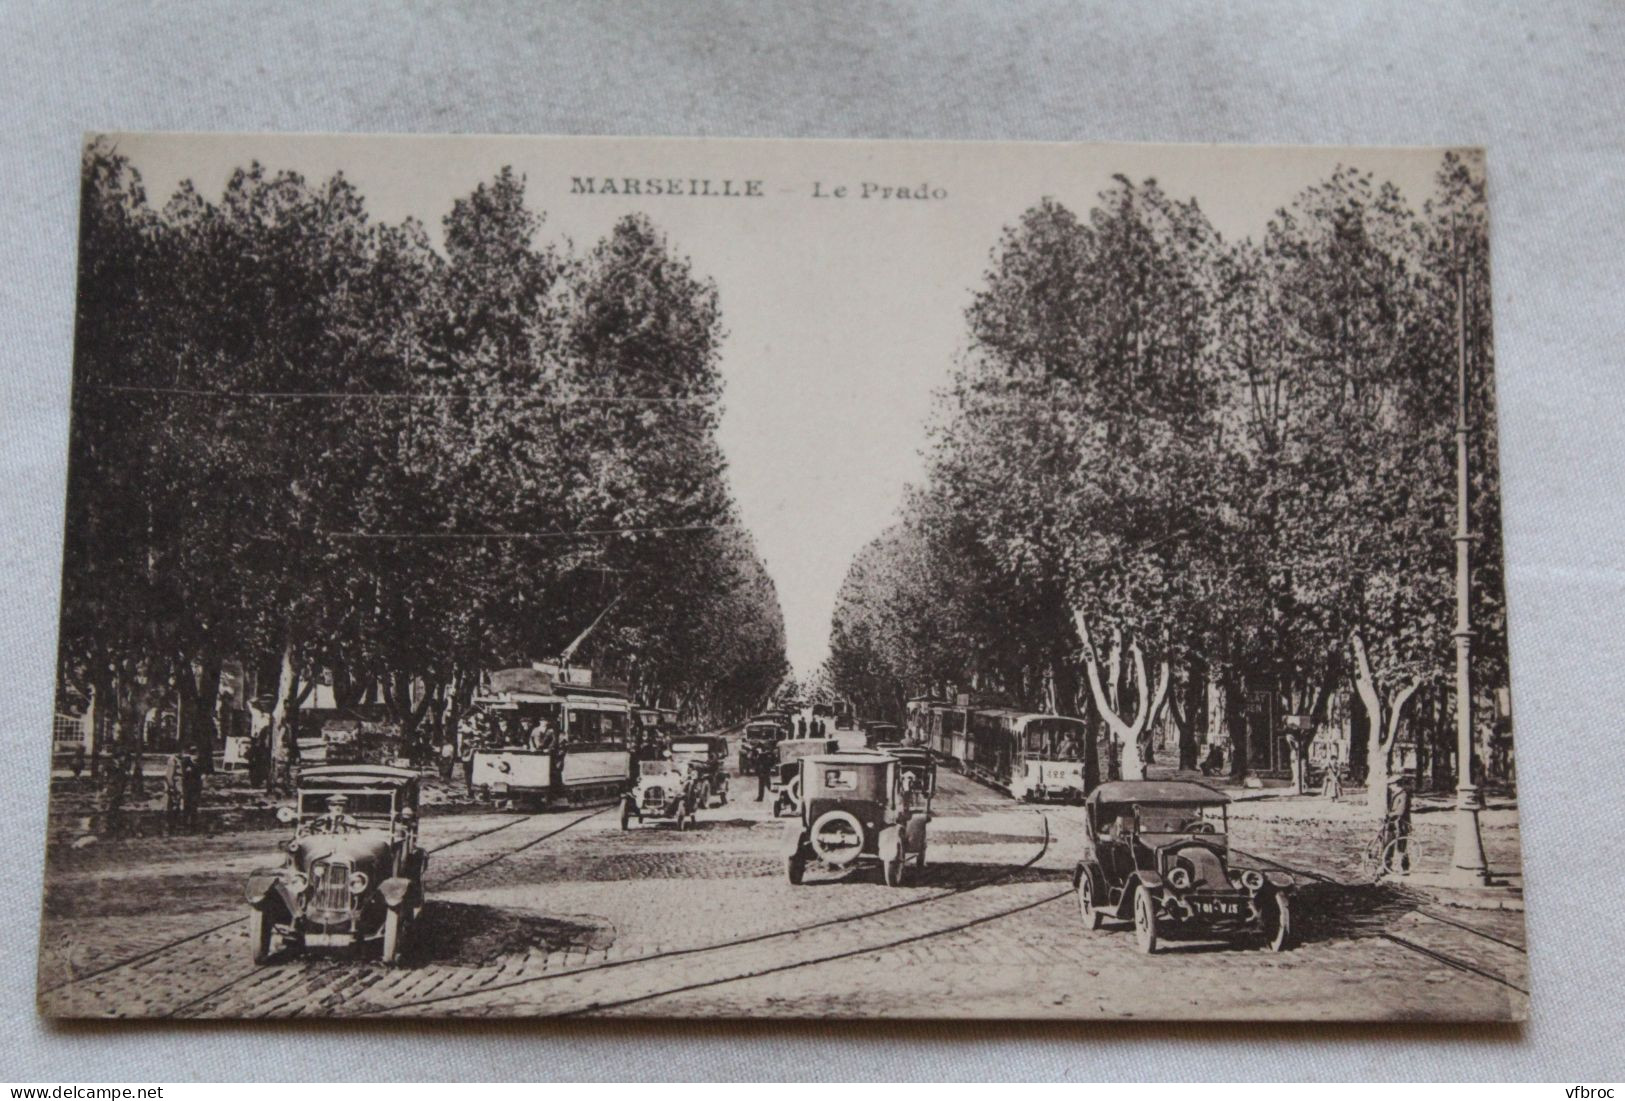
(1145, 921)
(1278, 936)
(259, 935)
(682, 819)
(795, 867)
(394, 926)
(1088, 908)
(626, 814)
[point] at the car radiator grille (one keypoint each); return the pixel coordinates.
(330, 897)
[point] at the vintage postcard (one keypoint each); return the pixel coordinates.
(692, 578)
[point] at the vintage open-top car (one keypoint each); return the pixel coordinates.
(352, 873)
(855, 809)
(663, 789)
(1157, 854)
(706, 757)
(786, 779)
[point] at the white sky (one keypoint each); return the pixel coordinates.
(843, 315)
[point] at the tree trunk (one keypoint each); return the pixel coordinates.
(1194, 720)
(1385, 717)
(1128, 737)
(286, 708)
(198, 696)
(1235, 721)
(1091, 751)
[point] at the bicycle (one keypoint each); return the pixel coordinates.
(1391, 852)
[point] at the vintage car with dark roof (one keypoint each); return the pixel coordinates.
(855, 809)
(759, 744)
(353, 872)
(919, 768)
(786, 779)
(1157, 854)
(706, 756)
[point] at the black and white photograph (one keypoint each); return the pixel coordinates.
(702, 578)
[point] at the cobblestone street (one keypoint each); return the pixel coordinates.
(562, 913)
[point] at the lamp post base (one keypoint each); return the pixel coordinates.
(1468, 868)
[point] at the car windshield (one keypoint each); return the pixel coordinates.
(1180, 819)
(690, 747)
(357, 804)
(657, 768)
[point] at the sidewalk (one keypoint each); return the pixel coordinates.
(229, 804)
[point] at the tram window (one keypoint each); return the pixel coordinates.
(1053, 741)
(597, 726)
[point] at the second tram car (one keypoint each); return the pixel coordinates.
(1034, 757)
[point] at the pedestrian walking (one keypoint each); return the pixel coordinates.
(762, 763)
(801, 726)
(172, 792)
(113, 791)
(191, 783)
(1332, 786)
(470, 742)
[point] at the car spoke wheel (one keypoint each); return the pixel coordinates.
(394, 927)
(1087, 909)
(259, 934)
(626, 813)
(1145, 920)
(1278, 935)
(682, 819)
(892, 870)
(795, 867)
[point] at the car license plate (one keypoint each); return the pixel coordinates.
(500, 789)
(1227, 909)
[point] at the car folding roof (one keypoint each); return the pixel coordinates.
(1186, 792)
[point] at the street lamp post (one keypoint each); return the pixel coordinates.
(1468, 868)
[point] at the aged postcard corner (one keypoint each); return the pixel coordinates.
(533, 576)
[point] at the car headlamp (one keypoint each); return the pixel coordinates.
(1179, 879)
(297, 883)
(293, 846)
(1252, 880)
(358, 882)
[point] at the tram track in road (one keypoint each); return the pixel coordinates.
(703, 950)
(1437, 955)
(153, 953)
(349, 965)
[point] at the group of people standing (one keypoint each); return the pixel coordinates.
(476, 730)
